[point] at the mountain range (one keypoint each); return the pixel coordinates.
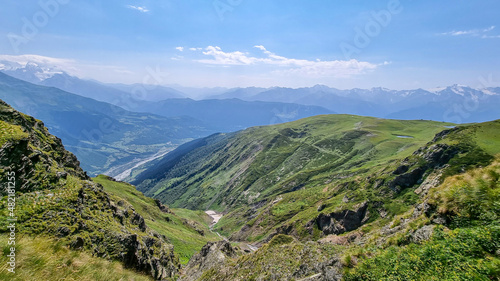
(456, 103)
(112, 140)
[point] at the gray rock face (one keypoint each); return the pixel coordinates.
(138, 255)
(430, 182)
(411, 172)
(422, 208)
(422, 234)
(340, 222)
(211, 255)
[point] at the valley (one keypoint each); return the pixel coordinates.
(124, 171)
(326, 197)
(233, 140)
(339, 192)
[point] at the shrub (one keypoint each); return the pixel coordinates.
(461, 254)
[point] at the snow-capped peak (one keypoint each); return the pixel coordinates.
(436, 90)
(34, 68)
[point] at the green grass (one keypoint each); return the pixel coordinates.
(44, 258)
(462, 254)
(466, 250)
(311, 162)
(487, 136)
(186, 240)
(297, 160)
(472, 196)
(10, 132)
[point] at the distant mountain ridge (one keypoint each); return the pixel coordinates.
(456, 103)
(232, 114)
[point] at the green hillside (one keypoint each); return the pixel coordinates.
(46, 258)
(69, 226)
(187, 230)
(334, 197)
(356, 198)
(299, 165)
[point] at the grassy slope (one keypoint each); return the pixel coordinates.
(313, 146)
(466, 247)
(9, 132)
(44, 258)
(54, 199)
(312, 155)
(186, 239)
(297, 208)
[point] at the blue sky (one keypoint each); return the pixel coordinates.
(401, 44)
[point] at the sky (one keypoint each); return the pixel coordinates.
(397, 44)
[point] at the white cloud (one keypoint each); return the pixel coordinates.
(223, 58)
(490, 36)
(195, 49)
(177, 58)
(283, 65)
(482, 33)
(179, 49)
(138, 8)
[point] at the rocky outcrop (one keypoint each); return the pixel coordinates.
(138, 254)
(341, 240)
(58, 199)
(212, 255)
(412, 169)
(193, 225)
(162, 207)
(283, 258)
(430, 182)
(422, 234)
(38, 150)
(342, 221)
